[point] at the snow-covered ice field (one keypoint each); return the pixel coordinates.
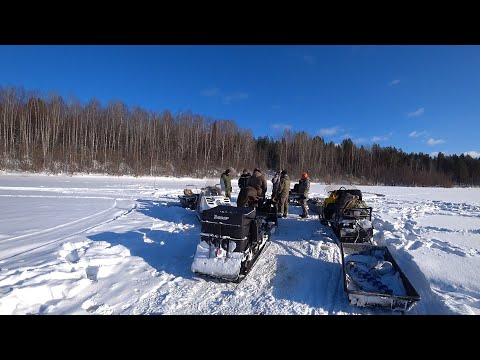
(123, 245)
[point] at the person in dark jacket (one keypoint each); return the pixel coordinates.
(242, 181)
(247, 197)
(259, 182)
(282, 194)
(226, 183)
(303, 189)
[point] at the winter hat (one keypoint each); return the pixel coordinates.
(227, 171)
(284, 172)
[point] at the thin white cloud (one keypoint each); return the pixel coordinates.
(473, 154)
(433, 142)
(416, 113)
(227, 99)
(310, 60)
(379, 138)
(416, 134)
(359, 140)
(210, 92)
(394, 82)
(330, 131)
(281, 126)
(434, 153)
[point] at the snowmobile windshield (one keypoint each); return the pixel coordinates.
(212, 188)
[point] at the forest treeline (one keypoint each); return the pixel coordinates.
(49, 134)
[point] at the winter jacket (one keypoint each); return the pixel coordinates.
(304, 187)
(226, 182)
(247, 197)
(242, 181)
(283, 187)
(258, 181)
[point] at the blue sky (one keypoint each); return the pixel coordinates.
(417, 98)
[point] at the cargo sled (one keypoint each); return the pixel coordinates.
(232, 239)
(348, 215)
(371, 277)
(189, 198)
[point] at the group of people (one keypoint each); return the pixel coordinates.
(253, 190)
(281, 189)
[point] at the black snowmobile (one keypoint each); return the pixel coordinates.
(348, 215)
(232, 239)
(294, 196)
(189, 198)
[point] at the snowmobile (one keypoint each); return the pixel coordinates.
(232, 239)
(208, 198)
(189, 198)
(348, 215)
(294, 196)
(371, 277)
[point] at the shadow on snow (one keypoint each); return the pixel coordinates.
(169, 250)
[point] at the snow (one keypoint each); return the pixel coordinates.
(89, 244)
(207, 262)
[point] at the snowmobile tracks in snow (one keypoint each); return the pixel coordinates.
(78, 226)
(377, 194)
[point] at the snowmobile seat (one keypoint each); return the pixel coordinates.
(341, 192)
(268, 210)
(212, 191)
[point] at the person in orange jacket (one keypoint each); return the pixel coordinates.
(303, 189)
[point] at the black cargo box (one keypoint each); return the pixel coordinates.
(228, 221)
